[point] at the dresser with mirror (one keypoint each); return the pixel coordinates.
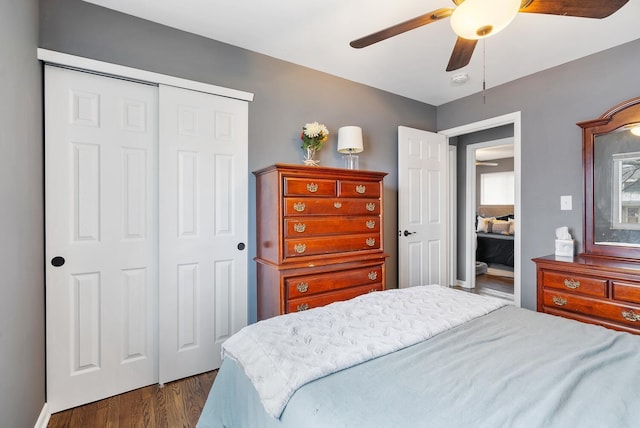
(602, 284)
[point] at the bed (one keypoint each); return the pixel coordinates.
(495, 228)
(499, 366)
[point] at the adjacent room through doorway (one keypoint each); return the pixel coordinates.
(488, 157)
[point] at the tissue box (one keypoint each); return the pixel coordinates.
(564, 247)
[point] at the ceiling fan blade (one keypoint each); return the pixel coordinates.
(581, 8)
(394, 30)
(461, 54)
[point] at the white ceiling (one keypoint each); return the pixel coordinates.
(317, 33)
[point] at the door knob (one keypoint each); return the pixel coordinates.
(241, 246)
(407, 233)
(57, 261)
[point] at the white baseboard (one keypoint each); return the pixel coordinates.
(461, 283)
(43, 419)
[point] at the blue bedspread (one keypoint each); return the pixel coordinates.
(510, 368)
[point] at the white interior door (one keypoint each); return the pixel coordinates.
(101, 221)
(203, 228)
(422, 207)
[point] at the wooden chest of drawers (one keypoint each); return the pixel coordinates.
(320, 236)
(591, 289)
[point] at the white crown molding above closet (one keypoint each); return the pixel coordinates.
(67, 60)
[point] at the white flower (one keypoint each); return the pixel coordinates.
(315, 129)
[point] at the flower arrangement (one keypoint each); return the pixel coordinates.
(313, 136)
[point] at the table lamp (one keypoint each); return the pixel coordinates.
(350, 142)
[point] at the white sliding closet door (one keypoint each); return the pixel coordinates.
(203, 228)
(146, 227)
(101, 236)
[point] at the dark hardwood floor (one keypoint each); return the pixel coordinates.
(177, 404)
(493, 282)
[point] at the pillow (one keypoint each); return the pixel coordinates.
(504, 217)
(512, 226)
(484, 224)
(500, 227)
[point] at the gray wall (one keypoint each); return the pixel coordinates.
(22, 358)
(286, 97)
(551, 103)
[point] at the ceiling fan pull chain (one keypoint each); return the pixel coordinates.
(484, 71)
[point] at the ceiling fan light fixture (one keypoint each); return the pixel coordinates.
(477, 19)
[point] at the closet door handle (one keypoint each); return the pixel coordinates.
(407, 233)
(57, 261)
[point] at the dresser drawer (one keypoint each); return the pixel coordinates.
(329, 245)
(310, 226)
(358, 189)
(309, 187)
(313, 284)
(330, 206)
(626, 292)
(304, 303)
(617, 312)
(577, 284)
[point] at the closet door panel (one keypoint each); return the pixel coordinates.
(203, 224)
(101, 220)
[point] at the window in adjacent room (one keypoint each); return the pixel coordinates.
(497, 188)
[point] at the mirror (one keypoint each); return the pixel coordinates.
(616, 189)
(611, 160)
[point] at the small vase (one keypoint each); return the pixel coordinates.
(308, 158)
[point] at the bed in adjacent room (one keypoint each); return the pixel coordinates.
(425, 356)
(495, 228)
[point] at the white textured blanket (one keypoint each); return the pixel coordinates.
(282, 354)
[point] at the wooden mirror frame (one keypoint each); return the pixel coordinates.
(622, 115)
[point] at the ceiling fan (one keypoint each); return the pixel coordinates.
(472, 20)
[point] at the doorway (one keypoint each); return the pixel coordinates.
(466, 255)
(490, 198)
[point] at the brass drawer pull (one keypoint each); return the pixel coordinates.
(370, 224)
(373, 290)
(560, 301)
(371, 206)
(299, 206)
(631, 316)
(299, 227)
(373, 275)
(337, 204)
(361, 189)
(302, 307)
(312, 187)
(571, 283)
(300, 248)
(302, 287)
(371, 242)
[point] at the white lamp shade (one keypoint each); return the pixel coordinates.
(476, 19)
(636, 130)
(350, 139)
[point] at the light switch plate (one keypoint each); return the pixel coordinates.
(565, 203)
